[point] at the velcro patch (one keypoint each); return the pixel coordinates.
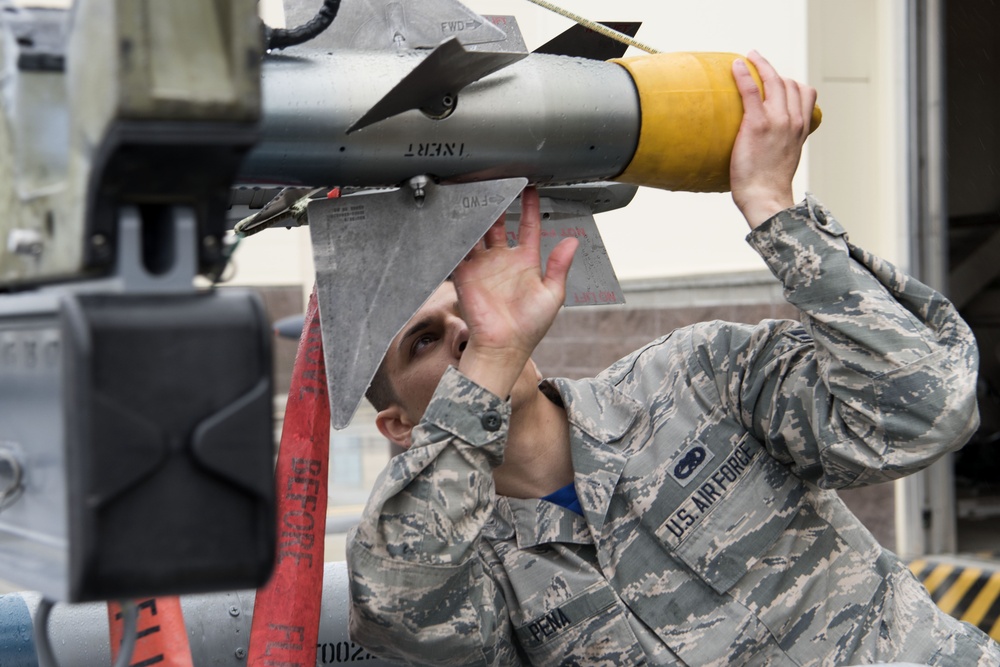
(799, 334)
(686, 464)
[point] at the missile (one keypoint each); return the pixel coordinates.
(664, 120)
(383, 96)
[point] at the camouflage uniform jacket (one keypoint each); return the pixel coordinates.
(703, 463)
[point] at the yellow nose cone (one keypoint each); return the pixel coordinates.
(691, 112)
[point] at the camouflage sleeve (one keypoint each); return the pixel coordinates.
(879, 379)
(419, 591)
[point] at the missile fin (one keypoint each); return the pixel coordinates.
(378, 257)
(581, 42)
(592, 280)
(513, 40)
(599, 196)
(433, 85)
(381, 25)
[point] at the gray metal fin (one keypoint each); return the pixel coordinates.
(592, 280)
(378, 257)
(389, 25)
(599, 196)
(433, 85)
(580, 41)
(514, 40)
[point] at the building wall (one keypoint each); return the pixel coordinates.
(856, 53)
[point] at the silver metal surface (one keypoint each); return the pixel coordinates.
(43, 641)
(433, 85)
(378, 25)
(34, 526)
(599, 197)
(133, 275)
(513, 40)
(550, 119)
(188, 64)
(218, 627)
(258, 208)
(34, 138)
(12, 475)
(378, 257)
(25, 242)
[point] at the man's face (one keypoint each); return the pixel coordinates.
(418, 356)
(433, 339)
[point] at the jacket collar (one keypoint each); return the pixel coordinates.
(533, 521)
(599, 415)
(598, 410)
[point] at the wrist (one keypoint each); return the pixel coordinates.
(758, 209)
(493, 370)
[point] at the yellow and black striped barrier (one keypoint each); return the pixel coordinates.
(966, 588)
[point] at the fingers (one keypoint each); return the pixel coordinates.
(793, 98)
(752, 102)
(774, 86)
(808, 97)
(784, 99)
(769, 143)
(557, 268)
(530, 233)
(496, 235)
(526, 254)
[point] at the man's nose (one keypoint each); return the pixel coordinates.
(459, 336)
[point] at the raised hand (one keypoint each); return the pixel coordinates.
(768, 146)
(507, 302)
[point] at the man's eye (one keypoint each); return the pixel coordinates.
(420, 343)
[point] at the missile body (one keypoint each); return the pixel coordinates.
(664, 120)
(551, 119)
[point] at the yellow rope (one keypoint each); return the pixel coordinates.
(596, 27)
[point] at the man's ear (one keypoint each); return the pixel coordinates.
(395, 425)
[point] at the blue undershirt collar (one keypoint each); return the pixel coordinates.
(566, 497)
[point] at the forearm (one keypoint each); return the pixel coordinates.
(887, 383)
(869, 318)
(431, 502)
(419, 589)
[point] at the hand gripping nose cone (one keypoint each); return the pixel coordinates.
(691, 113)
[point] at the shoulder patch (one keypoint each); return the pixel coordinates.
(685, 465)
(799, 334)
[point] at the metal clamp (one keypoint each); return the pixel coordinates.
(130, 617)
(11, 491)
